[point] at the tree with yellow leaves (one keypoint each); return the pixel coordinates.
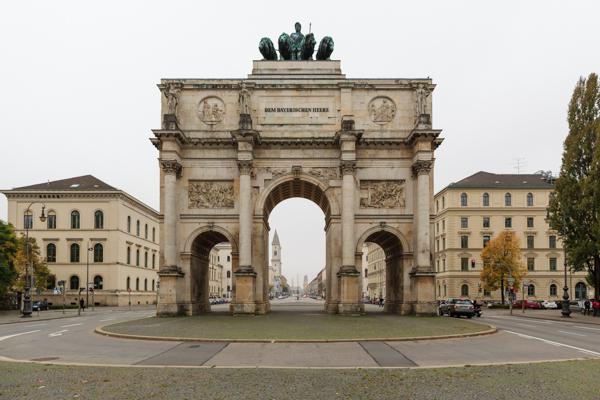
(501, 259)
(41, 274)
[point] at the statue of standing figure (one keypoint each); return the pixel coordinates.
(244, 99)
(422, 95)
(171, 92)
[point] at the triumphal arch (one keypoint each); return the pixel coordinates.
(232, 149)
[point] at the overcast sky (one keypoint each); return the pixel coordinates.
(79, 81)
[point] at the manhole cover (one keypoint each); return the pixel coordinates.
(44, 359)
(194, 346)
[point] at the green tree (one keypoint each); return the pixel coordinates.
(575, 205)
(41, 273)
(8, 250)
(501, 259)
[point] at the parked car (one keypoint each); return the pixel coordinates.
(528, 304)
(39, 306)
(549, 304)
(457, 308)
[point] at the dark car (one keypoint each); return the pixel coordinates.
(39, 306)
(457, 308)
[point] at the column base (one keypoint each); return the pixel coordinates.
(349, 291)
(423, 287)
(243, 301)
(167, 304)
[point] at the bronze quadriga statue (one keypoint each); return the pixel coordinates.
(296, 46)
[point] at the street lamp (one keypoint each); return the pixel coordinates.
(27, 290)
(87, 275)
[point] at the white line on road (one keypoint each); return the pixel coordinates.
(594, 353)
(520, 319)
(59, 333)
(106, 319)
(66, 326)
(31, 326)
(585, 327)
(17, 334)
(572, 333)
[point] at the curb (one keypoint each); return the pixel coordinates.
(567, 320)
(99, 330)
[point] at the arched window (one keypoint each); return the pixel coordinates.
(74, 282)
(74, 253)
(580, 291)
(153, 285)
(137, 284)
(137, 228)
(98, 253)
(98, 220)
(529, 199)
(28, 220)
(129, 224)
(463, 199)
(507, 199)
(137, 258)
(145, 231)
(464, 290)
(128, 255)
(153, 260)
(75, 221)
(145, 285)
(98, 282)
(486, 200)
(145, 259)
(51, 253)
(128, 283)
(154, 234)
(51, 221)
(531, 290)
(553, 290)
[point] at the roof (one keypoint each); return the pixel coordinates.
(83, 183)
(276, 238)
(488, 180)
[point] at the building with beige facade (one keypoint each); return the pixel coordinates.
(220, 271)
(475, 209)
(375, 271)
(120, 234)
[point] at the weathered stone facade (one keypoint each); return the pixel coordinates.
(358, 148)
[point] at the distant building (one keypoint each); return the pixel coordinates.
(376, 273)
(89, 222)
(275, 267)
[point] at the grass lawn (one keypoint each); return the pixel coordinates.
(280, 325)
(557, 381)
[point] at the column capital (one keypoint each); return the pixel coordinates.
(245, 167)
(348, 167)
(422, 167)
(171, 167)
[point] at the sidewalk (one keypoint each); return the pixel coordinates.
(555, 315)
(14, 316)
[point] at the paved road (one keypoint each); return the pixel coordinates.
(519, 340)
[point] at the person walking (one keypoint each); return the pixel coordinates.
(82, 304)
(586, 307)
(596, 307)
(380, 301)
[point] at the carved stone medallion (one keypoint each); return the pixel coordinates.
(382, 194)
(210, 194)
(382, 110)
(211, 110)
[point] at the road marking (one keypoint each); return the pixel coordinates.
(585, 327)
(59, 333)
(594, 353)
(17, 334)
(520, 319)
(31, 326)
(107, 319)
(66, 326)
(572, 333)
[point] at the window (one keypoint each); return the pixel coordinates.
(486, 222)
(153, 260)
(98, 253)
(507, 200)
(486, 200)
(28, 220)
(529, 199)
(464, 242)
(137, 284)
(145, 231)
(228, 258)
(128, 283)
(530, 242)
(98, 282)
(445, 291)
(98, 220)
(229, 274)
(145, 259)
(137, 228)
(51, 221)
(552, 242)
(487, 293)
(530, 264)
(145, 285)
(530, 222)
(75, 220)
(74, 253)
(128, 255)
(553, 290)
(464, 264)
(443, 202)
(552, 263)
(74, 282)
(153, 285)
(580, 291)
(463, 199)
(437, 206)
(444, 263)
(153, 234)
(464, 222)
(486, 240)
(508, 222)
(137, 258)
(531, 290)
(128, 224)
(464, 290)
(51, 253)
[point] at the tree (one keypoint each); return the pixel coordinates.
(8, 250)
(501, 259)
(41, 273)
(574, 209)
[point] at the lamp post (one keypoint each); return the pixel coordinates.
(27, 290)
(87, 275)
